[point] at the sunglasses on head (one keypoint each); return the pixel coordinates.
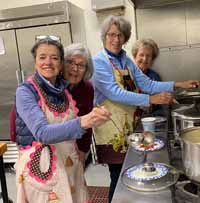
(52, 37)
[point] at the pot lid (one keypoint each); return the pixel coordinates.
(181, 108)
(189, 112)
(195, 93)
(148, 177)
(188, 96)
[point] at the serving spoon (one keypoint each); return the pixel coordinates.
(114, 123)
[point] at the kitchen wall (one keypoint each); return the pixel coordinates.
(92, 19)
(175, 27)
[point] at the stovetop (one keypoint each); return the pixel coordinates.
(186, 191)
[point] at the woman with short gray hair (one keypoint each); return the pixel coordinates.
(78, 69)
(123, 25)
(80, 49)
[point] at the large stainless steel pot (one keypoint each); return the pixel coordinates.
(185, 117)
(190, 143)
(177, 118)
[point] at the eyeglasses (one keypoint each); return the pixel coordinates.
(80, 67)
(114, 35)
(52, 37)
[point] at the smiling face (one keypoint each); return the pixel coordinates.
(48, 62)
(144, 58)
(114, 39)
(74, 69)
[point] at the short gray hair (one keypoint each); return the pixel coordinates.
(80, 49)
(123, 25)
(146, 43)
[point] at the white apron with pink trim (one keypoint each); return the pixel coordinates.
(51, 173)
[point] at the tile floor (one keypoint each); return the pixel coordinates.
(96, 175)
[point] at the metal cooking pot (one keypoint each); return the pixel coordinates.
(185, 117)
(178, 119)
(188, 96)
(190, 144)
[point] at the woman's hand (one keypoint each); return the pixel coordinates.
(187, 84)
(96, 117)
(161, 98)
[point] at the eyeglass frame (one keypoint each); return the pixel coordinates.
(52, 37)
(114, 35)
(80, 67)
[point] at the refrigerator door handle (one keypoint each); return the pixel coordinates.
(23, 75)
(18, 76)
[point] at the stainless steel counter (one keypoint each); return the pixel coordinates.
(125, 195)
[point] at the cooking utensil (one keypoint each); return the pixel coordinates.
(115, 124)
(99, 106)
(142, 138)
(148, 138)
(174, 101)
(136, 138)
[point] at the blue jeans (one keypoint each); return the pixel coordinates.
(114, 170)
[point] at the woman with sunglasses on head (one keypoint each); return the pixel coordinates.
(115, 80)
(48, 168)
(78, 69)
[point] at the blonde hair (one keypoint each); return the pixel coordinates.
(147, 43)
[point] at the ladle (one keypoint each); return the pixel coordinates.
(112, 121)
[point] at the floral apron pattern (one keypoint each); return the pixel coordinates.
(106, 132)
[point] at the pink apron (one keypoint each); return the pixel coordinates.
(51, 173)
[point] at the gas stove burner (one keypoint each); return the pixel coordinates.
(149, 177)
(147, 172)
(158, 144)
